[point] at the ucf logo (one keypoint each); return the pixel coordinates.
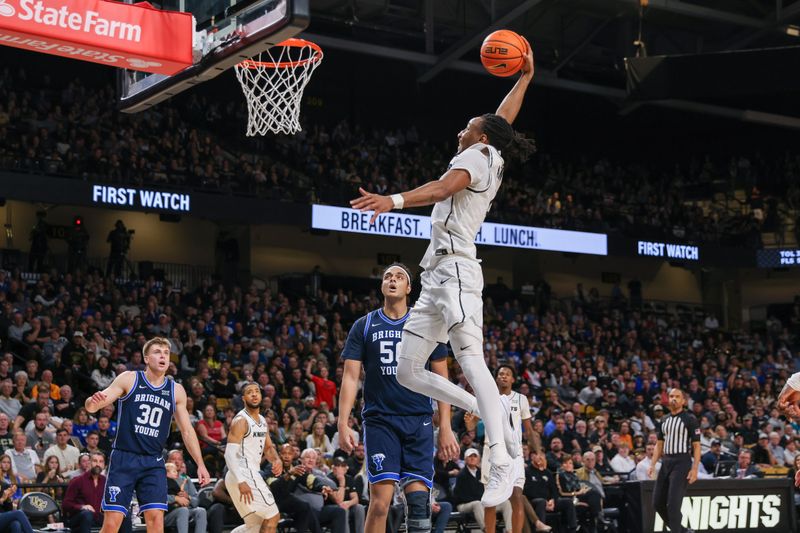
(38, 503)
(378, 460)
(113, 491)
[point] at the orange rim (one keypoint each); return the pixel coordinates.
(293, 43)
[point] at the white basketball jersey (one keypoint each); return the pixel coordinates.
(252, 448)
(520, 410)
(455, 222)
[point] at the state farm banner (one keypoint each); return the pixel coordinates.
(137, 37)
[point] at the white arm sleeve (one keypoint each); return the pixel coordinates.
(794, 381)
(234, 467)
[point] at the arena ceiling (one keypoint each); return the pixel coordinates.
(578, 44)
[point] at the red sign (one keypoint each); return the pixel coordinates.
(137, 37)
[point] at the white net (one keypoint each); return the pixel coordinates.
(273, 84)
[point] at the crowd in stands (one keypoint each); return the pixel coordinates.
(596, 376)
(194, 141)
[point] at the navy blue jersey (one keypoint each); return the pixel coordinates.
(144, 417)
(373, 341)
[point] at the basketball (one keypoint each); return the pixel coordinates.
(503, 53)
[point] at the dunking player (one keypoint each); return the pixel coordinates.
(147, 402)
(248, 444)
(398, 430)
(451, 305)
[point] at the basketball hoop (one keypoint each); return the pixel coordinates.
(273, 84)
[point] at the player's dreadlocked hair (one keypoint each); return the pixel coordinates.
(502, 136)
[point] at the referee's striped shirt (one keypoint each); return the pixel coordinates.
(678, 433)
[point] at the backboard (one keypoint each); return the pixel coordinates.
(226, 33)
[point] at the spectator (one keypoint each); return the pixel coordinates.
(744, 467)
(81, 425)
(542, 491)
(588, 474)
(776, 449)
(65, 407)
(51, 474)
(325, 389)
(47, 379)
(25, 462)
(356, 461)
(314, 487)
(346, 495)
(92, 443)
(196, 512)
(180, 510)
(105, 437)
(84, 496)
(789, 453)
(590, 394)
(468, 489)
(9, 405)
(39, 438)
(9, 478)
(210, 431)
(555, 455)
(6, 436)
(623, 463)
(643, 466)
(319, 441)
(66, 453)
(103, 374)
(762, 454)
(710, 458)
(283, 488)
(29, 410)
(569, 486)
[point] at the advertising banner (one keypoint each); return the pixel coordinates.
(137, 37)
(492, 234)
(719, 506)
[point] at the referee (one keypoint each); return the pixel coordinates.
(678, 441)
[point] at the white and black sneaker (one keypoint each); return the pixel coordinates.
(500, 484)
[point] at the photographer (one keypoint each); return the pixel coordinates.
(120, 241)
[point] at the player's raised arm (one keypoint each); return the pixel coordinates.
(189, 436)
(511, 104)
(121, 385)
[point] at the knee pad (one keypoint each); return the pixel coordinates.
(467, 339)
(412, 354)
(418, 512)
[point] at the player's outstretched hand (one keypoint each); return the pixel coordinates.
(277, 468)
(202, 475)
(98, 397)
(346, 442)
(527, 68)
(372, 202)
(245, 493)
